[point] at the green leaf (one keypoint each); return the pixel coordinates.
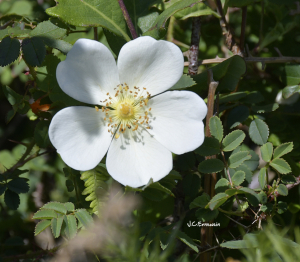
(251, 195)
(216, 128)
(210, 146)
(18, 185)
(236, 244)
(283, 149)
(233, 140)
(160, 187)
(206, 215)
(48, 29)
(236, 159)
(211, 166)
(107, 14)
(13, 32)
(45, 214)
(56, 206)
(231, 97)
(11, 199)
(267, 151)
(288, 179)
(253, 97)
(12, 97)
(262, 177)
(187, 240)
(41, 226)
(200, 201)
(69, 206)
(265, 108)
(288, 91)
(34, 51)
(191, 184)
(84, 217)
(281, 166)
(282, 190)
(56, 224)
(69, 185)
(237, 116)
(263, 198)
(259, 131)
(291, 76)
(159, 28)
(41, 136)
(58, 44)
(221, 185)
(228, 73)
(294, 208)
(217, 201)
(184, 82)
(9, 50)
(70, 226)
(2, 188)
(282, 207)
(200, 9)
(115, 42)
(238, 178)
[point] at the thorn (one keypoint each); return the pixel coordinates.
(278, 51)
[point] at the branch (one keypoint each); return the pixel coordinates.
(230, 43)
(194, 49)
(289, 187)
(128, 19)
(267, 60)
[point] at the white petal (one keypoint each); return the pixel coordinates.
(176, 120)
(80, 136)
(136, 157)
(155, 65)
(89, 72)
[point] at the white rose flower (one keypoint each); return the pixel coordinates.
(138, 125)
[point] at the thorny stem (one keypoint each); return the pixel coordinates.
(243, 28)
(266, 60)
(194, 49)
(209, 180)
(128, 19)
(229, 40)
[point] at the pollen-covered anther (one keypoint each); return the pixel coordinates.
(117, 136)
(97, 108)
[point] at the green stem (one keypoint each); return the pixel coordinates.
(170, 36)
(76, 189)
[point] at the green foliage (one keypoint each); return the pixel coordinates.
(233, 140)
(267, 151)
(283, 149)
(9, 51)
(259, 131)
(34, 51)
(262, 177)
(63, 219)
(281, 166)
(184, 82)
(211, 166)
(210, 146)
(216, 128)
(238, 178)
(89, 14)
(237, 159)
(237, 116)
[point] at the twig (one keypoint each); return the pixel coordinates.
(96, 33)
(128, 19)
(236, 222)
(243, 28)
(209, 180)
(6, 24)
(230, 43)
(267, 60)
(194, 49)
(289, 187)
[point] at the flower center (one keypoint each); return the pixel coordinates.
(126, 110)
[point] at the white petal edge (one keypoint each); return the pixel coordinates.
(176, 120)
(146, 62)
(89, 72)
(80, 136)
(134, 159)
